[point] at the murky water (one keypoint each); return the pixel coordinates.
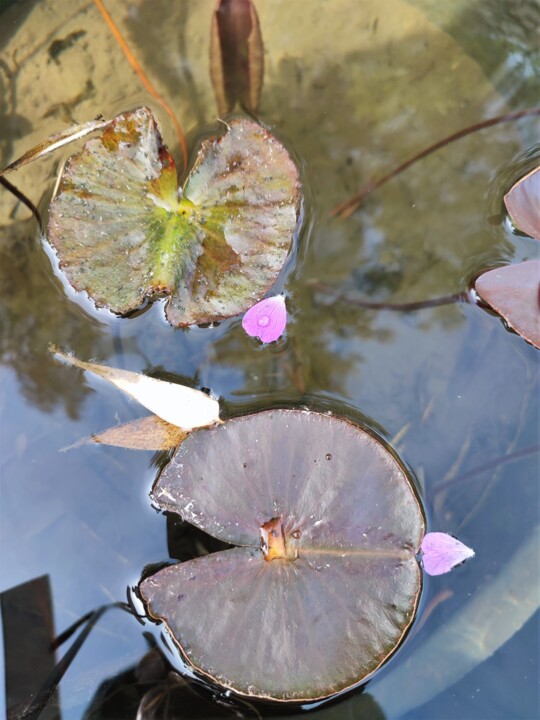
(353, 89)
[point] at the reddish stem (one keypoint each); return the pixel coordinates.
(398, 307)
(348, 207)
(22, 197)
(143, 78)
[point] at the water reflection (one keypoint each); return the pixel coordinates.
(35, 313)
(353, 92)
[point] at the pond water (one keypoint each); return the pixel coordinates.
(352, 89)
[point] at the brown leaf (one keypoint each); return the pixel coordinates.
(513, 291)
(147, 433)
(523, 203)
(323, 582)
(236, 55)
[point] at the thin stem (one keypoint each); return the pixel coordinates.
(37, 705)
(143, 78)
(347, 208)
(22, 197)
(491, 465)
(397, 307)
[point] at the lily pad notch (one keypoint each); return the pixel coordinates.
(124, 230)
(513, 291)
(323, 582)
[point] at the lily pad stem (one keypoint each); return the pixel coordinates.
(348, 207)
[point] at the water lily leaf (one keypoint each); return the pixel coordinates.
(147, 433)
(236, 55)
(179, 405)
(513, 291)
(124, 232)
(523, 203)
(325, 583)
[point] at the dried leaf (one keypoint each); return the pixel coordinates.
(148, 433)
(513, 291)
(176, 404)
(122, 232)
(523, 203)
(56, 141)
(236, 56)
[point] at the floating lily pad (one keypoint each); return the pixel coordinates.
(325, 583)
(513, 291)
(124, 231)
(236, 55)
(523, 203)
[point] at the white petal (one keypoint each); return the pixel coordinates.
(177, 404)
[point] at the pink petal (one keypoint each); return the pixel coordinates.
(442, 552)
(267, 319)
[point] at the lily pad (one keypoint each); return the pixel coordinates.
(523, 203)
(124, 231)
(513, 291)
(325, 582)
(236, 55)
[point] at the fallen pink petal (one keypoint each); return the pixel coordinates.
(267, 319)
(442, 552)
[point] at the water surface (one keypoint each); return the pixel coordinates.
(352, 90)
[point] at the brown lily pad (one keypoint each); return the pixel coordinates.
(124, 231)
(236, 55)
(523, 203)
(513, 291)
(324, 583)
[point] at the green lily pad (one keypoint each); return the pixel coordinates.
(325, 582)
(124, 231)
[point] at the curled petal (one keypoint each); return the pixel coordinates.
(267, 319)
(442, 552)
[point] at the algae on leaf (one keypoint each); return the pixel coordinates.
(124, 231)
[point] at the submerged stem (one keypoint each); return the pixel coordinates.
(398, 307)
(24, 199)
(143, 77)
(348, 207)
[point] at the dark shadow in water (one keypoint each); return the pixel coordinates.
(152, 691)
(12, 14)
(28, 630)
